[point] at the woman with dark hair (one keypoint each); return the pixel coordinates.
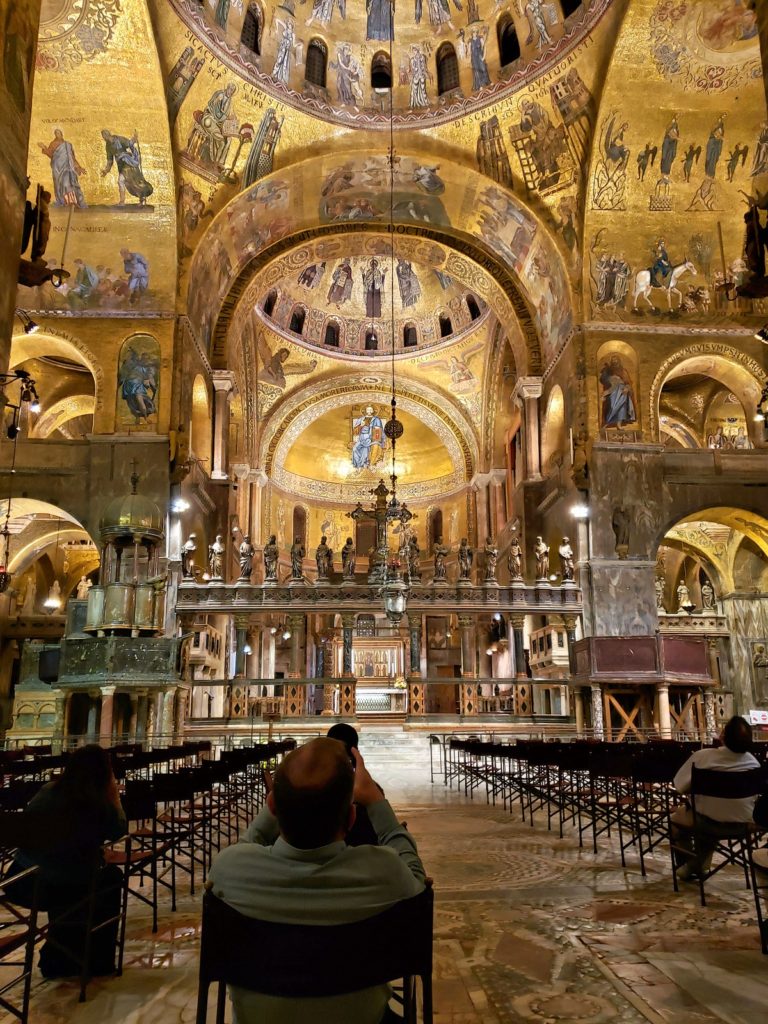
(64, 826)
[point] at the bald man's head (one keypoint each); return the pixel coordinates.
(312, 793)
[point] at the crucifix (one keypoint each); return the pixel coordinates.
(381, 514)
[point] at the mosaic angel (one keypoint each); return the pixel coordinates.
(289, 47)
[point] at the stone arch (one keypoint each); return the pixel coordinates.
(724, 363)
(473, 217)
(58, 343)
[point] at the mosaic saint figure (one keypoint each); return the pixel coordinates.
(539, 14)
(348, 75)
(222, 12)
(136, 270)
(125, 155)
(341, 284)
(373, 282)
(760, 158)
(439, 14)
(714, 147)
(418, 72)
(408, 283)
(617, 399)
(322, 11)
(282, 68)
(368, 439)
(311, 276)
(216, 126)
(65, 171)
(480, 76)
(380, 21)
(413, 554)
(271, 554)
(137, 377)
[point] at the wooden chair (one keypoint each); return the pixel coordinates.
(731, 840)
(18, 932)
(262, 956)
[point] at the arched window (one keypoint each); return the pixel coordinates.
(447, 69)
(446, 327)
(371, 341)
(297, 320)
(435, 526)
(269, 303)
(381, 71)
(300, 524)
(317, 58)
(410, 337)
(332, 334)
(250, 37)
(570, 7)
(472, 306)
(509, 44)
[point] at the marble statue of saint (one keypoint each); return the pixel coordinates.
(216, 557)
(348, 556)
(84, 585)
(683, 598)
(297, 558)
(28, 608)
(491, 558)
(566, 560)
(188, 557)
(541, 551)
(659, 585)
(515, 560)
(324, 558)
(440, 551)
(413, 553)
(465, 559)
(270, 554)
(708, 596)
(246, 551)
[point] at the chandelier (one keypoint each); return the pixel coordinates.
(394, 591)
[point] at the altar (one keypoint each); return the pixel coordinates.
(378, 664)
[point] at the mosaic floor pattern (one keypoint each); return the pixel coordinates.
(529, 929)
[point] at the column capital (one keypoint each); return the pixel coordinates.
(223, 380)
(108, 691)
(348, 621)
(480, 480)
(258, 477)
(498, 477)
(242, 621)
(569, 621)
(527, 387)
(518, 621)
(466, 621)
(296, 621)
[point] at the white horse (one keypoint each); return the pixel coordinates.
(643, 284)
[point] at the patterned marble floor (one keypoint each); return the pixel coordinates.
(529, 928)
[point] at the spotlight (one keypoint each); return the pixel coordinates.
(273, 630)
(34, 406)
(246, 649)
(580, 512)
(497, 617)
(179, 505)
(762, 334)
(286, 634)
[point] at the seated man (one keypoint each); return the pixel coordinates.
(733, 755)
(308, 875)
(362, 831)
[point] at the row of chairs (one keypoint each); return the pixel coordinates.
(622, 790)
(179, 811)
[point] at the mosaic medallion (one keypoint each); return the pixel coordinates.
(73, 31)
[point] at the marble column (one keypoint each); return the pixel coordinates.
(598, 722)
(664, 715)
(223, 383)
(156, 715)
(257, 479)
(466, 622)
(709, 716)
(569, 621)
(414, 628)
(133, 724)
(93, 712)
(499, 517)
(348, 625)
(142, 718)
(168, 714)
(518, 636)
(329, 690)
(527, 393)
(241, 638)
(296, 626)
(107, 711)
(60, 721)
(578, 708)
